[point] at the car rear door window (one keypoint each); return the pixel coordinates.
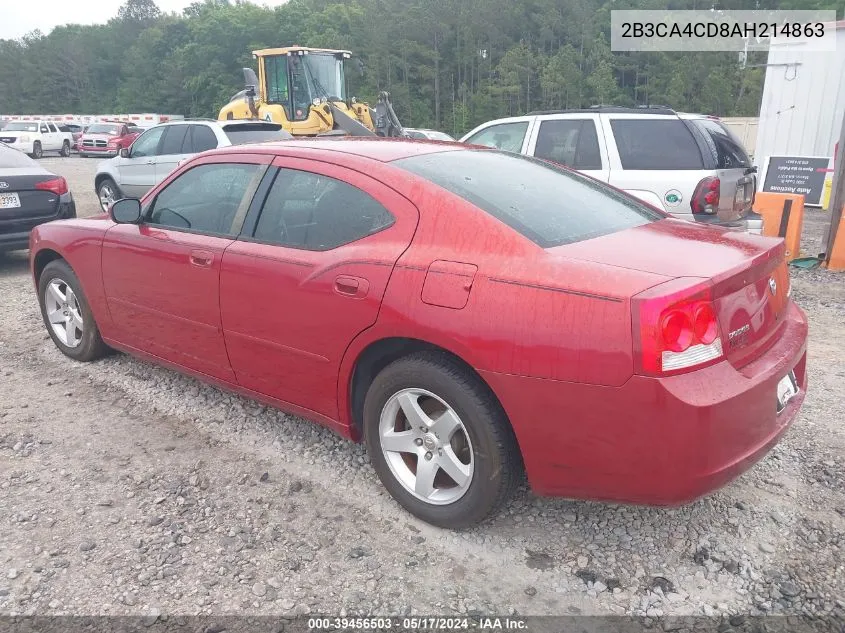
(544, 202)
(726, 148)
(174, 136)
(504, 136)
(207, 198)
(653, 144)
(202, 139)
(53, 128)
(570, 142)
(317, 213)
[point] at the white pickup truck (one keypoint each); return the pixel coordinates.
(36, 137)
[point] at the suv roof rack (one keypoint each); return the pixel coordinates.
(643, 109)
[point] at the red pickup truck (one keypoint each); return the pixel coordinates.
(107, 139)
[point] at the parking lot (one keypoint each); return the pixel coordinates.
(132, 489)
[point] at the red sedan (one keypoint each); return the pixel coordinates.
(467, 312)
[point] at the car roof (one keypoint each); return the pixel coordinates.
(380, 149)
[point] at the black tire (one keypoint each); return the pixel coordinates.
(65, 151)
(91, 346)
(116, 193)
(497, 461)
(37, 151)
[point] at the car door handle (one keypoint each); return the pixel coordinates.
(201, 258)
(351, 286)
(150, 162)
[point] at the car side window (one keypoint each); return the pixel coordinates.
(44, 129)
(505, 136)
(202, 139)
(570, 142)
(174, 136)
(53, 128)
(147, 144)
(206, 198)
(317, 213)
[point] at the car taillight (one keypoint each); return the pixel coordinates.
(57, 185)
(675, 330)
(706, 196)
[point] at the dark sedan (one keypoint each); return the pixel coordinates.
(29, 195)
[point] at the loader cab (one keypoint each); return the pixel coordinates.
(297, 78)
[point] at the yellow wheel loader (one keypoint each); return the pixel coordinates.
(304, 89)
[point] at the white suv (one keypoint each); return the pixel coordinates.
(36, 137)
(159, 150)
(688, 165)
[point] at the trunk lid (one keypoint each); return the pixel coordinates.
(34, 203)
(747, 274)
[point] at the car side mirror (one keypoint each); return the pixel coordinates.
(126, 211)
(124, 152)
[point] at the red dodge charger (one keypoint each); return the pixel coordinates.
(468, 313)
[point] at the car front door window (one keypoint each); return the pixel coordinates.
(504, 136)
(147, 144)
(207, 198)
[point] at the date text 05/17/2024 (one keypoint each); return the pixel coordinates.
(416, 624)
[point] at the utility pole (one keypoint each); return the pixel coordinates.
(837, 195)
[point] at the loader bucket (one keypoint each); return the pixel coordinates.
(346, 123)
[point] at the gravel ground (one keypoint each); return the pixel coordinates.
(130, 489)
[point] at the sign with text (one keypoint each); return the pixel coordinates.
(797, 174)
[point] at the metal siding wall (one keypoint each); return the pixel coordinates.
(817, 93)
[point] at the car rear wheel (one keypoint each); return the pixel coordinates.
(67, 315)
(439, 441)
(37, 152)
(65, 149)
(108, 193)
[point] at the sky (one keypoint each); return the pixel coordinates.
(19, 18)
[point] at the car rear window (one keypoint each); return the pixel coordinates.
(257, 133)
(548, 204)
(656, 144)
(12, 158)
(726, 148)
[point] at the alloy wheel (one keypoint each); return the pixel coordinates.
(426, 446)
(64, 313)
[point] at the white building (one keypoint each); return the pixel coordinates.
(803, 101)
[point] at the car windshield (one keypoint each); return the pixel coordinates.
(325, 76)
(103, 129)
(255, 133)
(434, 135)
(548, 204)
(21, 126)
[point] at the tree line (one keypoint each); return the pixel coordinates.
(448, 64)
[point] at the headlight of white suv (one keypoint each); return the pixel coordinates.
(23, 137)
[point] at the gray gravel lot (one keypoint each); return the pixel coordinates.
(130, 489)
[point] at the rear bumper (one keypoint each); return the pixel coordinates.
(15, 236)
(661, 441)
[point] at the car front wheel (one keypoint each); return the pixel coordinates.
(65, 151)
(37, 151)
(439, 440)
(67, 315)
